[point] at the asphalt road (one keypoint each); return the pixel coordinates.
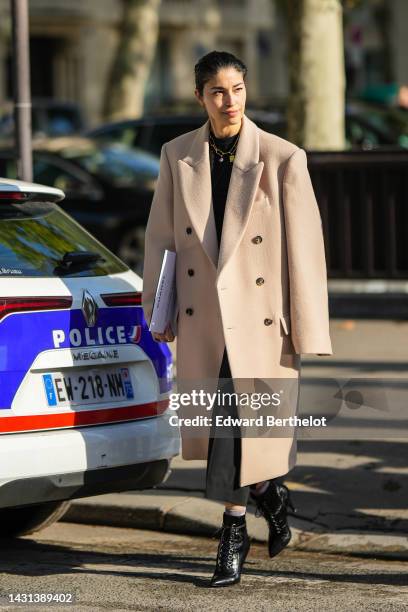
(107, 568)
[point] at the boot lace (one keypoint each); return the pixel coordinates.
(230, 538)
(276, 517)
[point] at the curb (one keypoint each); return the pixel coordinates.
(368, 306)
(200, 517)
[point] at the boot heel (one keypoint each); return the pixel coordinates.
(276, 516)
(290, 504)
(287, 499)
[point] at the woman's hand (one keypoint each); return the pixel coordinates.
(167, 336)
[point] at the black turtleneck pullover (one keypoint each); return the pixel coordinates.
(220, 178)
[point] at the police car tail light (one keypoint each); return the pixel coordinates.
(12, 305)
(133, 298)
(13, 195)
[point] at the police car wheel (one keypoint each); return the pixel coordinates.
(131, 248)
(16, 522)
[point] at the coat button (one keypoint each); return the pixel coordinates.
(260, 281)
(189, 311)
(190, 272)
(267, 321)
(257, 239)
(188, 230)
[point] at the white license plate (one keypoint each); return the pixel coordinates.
(88, 386)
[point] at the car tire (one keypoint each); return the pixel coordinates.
(16, 522)
(131, 248)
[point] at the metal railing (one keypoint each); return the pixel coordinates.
(363, 200)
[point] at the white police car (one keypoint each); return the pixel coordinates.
(83, 385)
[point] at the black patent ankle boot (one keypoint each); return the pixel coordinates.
(273, 506)
(232, 551)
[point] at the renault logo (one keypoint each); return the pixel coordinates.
(89, 308)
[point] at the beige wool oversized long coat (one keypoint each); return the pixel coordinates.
(262, 294)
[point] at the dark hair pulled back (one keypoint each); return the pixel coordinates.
(208, 66)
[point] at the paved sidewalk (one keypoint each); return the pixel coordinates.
(351, 494)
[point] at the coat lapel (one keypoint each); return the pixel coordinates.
(195, 181)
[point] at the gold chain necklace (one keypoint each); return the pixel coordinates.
(221, 153)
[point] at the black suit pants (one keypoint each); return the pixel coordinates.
(224, 451)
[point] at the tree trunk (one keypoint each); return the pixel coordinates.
(316, 74)
(134, 56)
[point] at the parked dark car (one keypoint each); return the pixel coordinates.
(373, 126)
(108, 189)
(151, 132)
(367, 127)
(48, 118)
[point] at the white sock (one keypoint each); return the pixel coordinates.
(261, 490)
(235, 512)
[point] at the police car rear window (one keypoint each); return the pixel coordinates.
(35, 237)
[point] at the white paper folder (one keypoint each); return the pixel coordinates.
(165, 308)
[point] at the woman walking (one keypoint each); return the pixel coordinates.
(237, 205)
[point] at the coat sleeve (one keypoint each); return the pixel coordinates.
(159, 234)
(309, 309)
